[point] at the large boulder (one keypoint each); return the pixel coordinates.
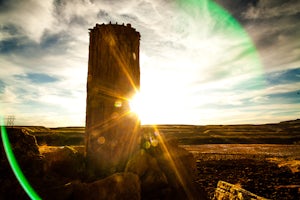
(179, 166)
(117, 186)
(26, 152)
(66, 162)
(153, 179)
(166, 171)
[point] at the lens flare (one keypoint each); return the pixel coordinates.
(136, 104)
(208, 56)
(15, 166)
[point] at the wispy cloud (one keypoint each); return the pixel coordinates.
(265, 9)
(32, 17)
(273, 26)
(189, 56)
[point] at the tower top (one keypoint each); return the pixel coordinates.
(116, 27)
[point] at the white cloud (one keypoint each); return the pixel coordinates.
(272, 113)
(188, 58)
(277, 22)
(260, 99)
(34, 17)
(8, 68)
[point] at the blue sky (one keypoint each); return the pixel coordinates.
(196, 67)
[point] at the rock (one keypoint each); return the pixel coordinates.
(153, 184)
(180, 169)
(166, 171)
(226, 191)
(138, 164)
(66, 162)
(30, 161)
(117, 186)
(26, 151)
(152, 178)
(22, 142)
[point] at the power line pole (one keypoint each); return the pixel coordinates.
(10, 120)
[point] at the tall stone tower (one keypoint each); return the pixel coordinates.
(113, 78)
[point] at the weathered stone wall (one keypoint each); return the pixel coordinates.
(113, 78)
(226, 191)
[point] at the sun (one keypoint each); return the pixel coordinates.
(145, 107)
(157, 107)
(135, 104)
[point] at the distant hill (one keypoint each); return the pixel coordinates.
(297, 121)
(286, 132)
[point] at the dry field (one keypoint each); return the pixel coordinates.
(238, 151)
(268, 170)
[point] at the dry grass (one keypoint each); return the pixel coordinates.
(292, 163)
(282, 155)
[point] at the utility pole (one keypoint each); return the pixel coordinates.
(10, 120)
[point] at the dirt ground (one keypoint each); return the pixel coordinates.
(268, 170)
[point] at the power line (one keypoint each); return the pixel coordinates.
(10, 120)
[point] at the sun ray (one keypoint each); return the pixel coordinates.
(176, 166)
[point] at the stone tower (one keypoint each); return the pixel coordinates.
(113, 78)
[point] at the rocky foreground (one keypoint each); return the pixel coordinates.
(159, 170)
(263, 159)
(264, 173)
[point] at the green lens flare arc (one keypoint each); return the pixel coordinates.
(219, 22)
(15, 166)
